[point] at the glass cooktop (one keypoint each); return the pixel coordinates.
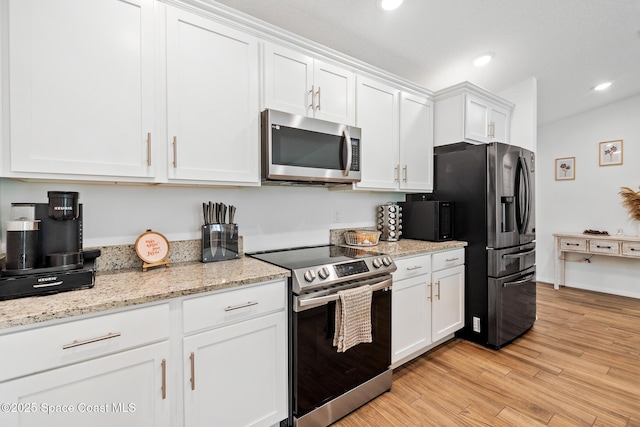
(312, 256)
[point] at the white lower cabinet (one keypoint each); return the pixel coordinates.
(123, 368)
(427, 302)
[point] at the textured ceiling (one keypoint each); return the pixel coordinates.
(569, 46)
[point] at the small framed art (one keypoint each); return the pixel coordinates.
(565, 168)
(610, 153)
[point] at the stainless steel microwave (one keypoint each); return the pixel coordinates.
(304, 149)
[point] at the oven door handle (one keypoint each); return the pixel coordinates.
(334, 297)
(519, 282)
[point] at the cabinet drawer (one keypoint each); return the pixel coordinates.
(412, 266)
(233, 305)
(568, 244)
(48, 347)
(448, 259)
(631, 249)
(604, 247)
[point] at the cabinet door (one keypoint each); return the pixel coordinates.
(335, 90)
(377, 110)
(288, 77)
(476, 121)
(500, 120)
(237, 375)
(123, 389)
(416, 143)
(410, 316)
(448, 301)
(213, 101)
(81, 87)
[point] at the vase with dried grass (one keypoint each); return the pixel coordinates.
(631, 201)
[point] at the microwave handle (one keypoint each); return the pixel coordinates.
(347, 140)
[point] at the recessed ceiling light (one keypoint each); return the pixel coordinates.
(602, 86)
(389, 4)
(483, 59)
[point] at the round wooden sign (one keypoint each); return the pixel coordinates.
(152, 247)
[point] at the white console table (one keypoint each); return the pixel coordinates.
(593, 244)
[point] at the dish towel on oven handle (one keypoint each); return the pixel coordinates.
(353, 318)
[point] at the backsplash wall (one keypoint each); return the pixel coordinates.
(268, 217)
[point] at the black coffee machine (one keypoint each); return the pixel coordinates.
(60, 263)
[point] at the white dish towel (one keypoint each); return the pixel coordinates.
(353, 318)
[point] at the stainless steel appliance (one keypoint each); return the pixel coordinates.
(390, 221)
(304, 149)
(428, 219)
(60, 263)
(325, 384)
(493, 189)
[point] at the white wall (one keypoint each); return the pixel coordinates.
(524, 119)
(268, 217)
(591, 201)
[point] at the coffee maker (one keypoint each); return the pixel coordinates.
(44, 248)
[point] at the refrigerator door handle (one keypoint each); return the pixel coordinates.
(522, 212)
(526, 279)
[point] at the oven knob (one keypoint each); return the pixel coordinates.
(387, 261)
(323, 273)
(377, 263)
(309, 276)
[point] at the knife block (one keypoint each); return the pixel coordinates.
(219, 242)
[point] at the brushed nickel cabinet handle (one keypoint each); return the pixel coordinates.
(164, 378)
(430, 297)
(192, 357)
(77, 343)
(318, 93)
(452, 259)
(415, 267)
(175, 152)
(397, 169)
(148, 148)
(404, 172)
(313, 98)
(438, 295)
(236, 307)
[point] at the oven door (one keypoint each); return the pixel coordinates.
(320, 373)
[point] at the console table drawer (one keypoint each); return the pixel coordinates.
(631, 249)
(573, 244)
(604, 247)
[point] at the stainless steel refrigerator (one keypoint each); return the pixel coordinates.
(493, 188)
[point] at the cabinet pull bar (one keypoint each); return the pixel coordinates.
(148, 148)
(572, 244)
(452, 259)
(438, 295)
(430, 297)
(415, 267)
(192, 357)
(236, 307)
(404, 171)
(603, 247)
(313, 98)
(175, 152)
(318, 107)
(164, 378)
(77, 343)
(397, 169)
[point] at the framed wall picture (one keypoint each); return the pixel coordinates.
(610, 153)
(565, 168)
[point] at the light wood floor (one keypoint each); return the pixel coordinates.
(578, 366)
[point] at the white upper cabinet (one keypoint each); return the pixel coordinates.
(468, 113)
(81, 88)
(299, 84)
(416, 143)
(397, 138)
(378, 114)
(213, 116)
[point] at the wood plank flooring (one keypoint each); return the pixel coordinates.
(578, 366)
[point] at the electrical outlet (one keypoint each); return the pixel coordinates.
(476, 324)
(337, 216)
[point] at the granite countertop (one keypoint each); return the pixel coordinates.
(128, 287)
(131, 286)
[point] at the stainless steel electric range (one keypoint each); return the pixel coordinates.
(325, 384)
